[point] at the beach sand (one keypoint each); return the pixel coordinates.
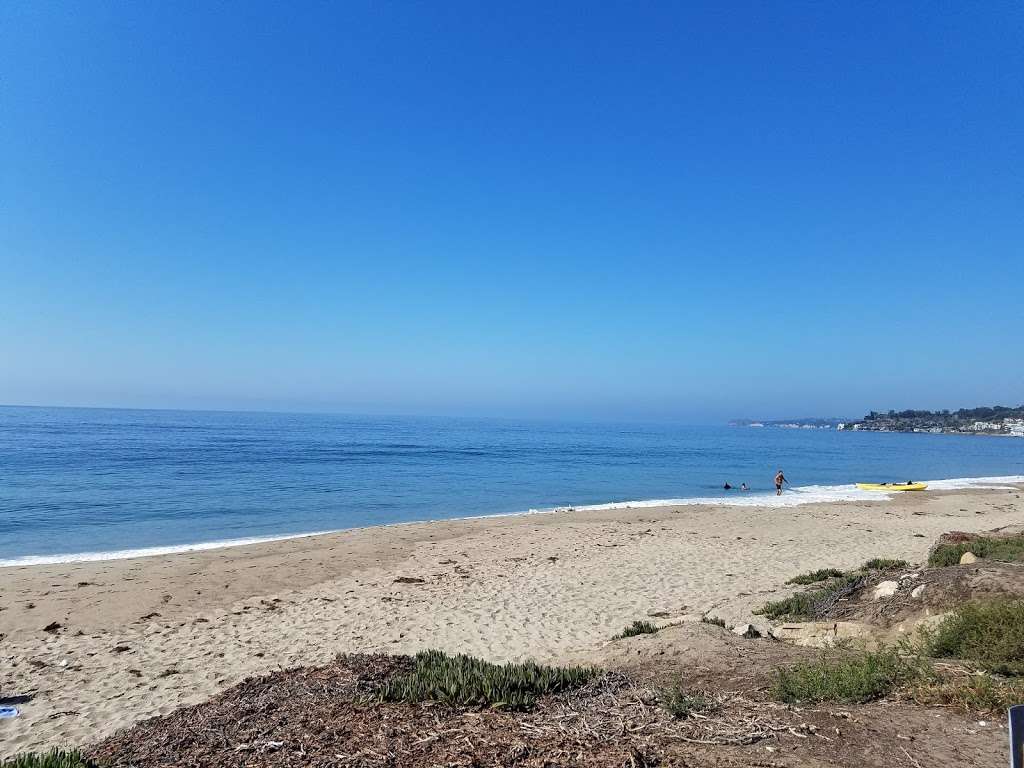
(144, 636)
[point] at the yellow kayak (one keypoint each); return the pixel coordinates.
(892, 486)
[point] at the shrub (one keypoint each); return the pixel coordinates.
(807, 605)
(814, 577)
(637, 628)
(1007, 550)
(977, 694)
(468, 681)
(56, 758)
(680, 703)
(860, 677)
(716, 621)
(989, 633)
(883, 564)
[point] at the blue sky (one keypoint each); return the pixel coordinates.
(610, 210)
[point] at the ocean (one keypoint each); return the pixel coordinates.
(82, 483)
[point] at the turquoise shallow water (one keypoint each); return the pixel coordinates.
(99, 481)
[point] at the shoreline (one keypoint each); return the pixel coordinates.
(140, 637)
(798, 496)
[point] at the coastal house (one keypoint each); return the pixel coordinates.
(987, 426)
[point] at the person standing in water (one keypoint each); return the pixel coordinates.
(779, 480)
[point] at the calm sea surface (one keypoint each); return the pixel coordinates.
(93, 480)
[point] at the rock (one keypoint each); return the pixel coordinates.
(917, 591)
(824, 634)
(52, 627)
(746, 630)
(967, 558)
(886, 589)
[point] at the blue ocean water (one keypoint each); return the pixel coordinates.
(95, 480)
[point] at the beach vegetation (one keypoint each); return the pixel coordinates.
(681, 703)
(988, 633)
(468, 681)
(1007, 550)
(716, 621)
(637, 628)
(55, 758)
(811, 603)
(883, 564)
(815, 577)
(975, 693)
(849, 678)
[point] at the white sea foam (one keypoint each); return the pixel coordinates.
(173, 549)
(810, 494)
(792, 497)
(979, 483)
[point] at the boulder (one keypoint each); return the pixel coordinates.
(917, 591)
(886, 589)
(825, 634)
(746, 630)
(967, 558)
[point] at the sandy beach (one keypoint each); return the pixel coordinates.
(141, 637)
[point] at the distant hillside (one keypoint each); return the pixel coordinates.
(991, 420)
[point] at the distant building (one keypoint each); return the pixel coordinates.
(987, 426)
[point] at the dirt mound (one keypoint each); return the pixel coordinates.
(707, 655)
(327, 716)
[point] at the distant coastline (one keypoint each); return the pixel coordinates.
(996, 420)
(808, 423)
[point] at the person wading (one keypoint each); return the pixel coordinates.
(779, 480)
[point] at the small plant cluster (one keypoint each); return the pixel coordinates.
(715, 621)
(806, 605)
(988, 634)
(681, 703)
(57, 758)
(815, 577)
(824, 574)
(637, 628)
(883, 564)
(468, 681)
(849, 678)
(1006, 550)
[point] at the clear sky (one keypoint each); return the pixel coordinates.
(612, 210)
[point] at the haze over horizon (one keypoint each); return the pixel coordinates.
(696, 213)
